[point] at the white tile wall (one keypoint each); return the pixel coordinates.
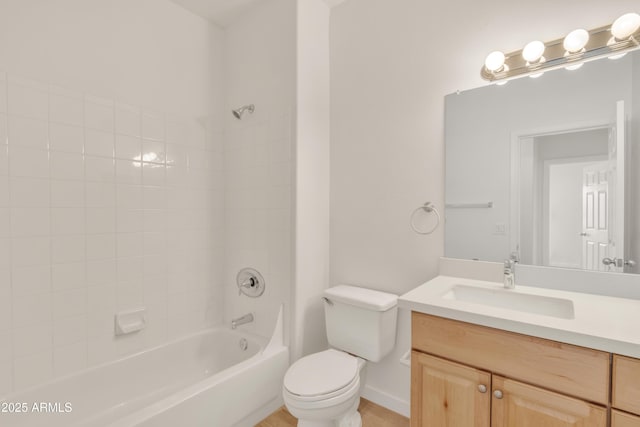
(66, 138)
(27, 132)
(258, 210)
(103, 206)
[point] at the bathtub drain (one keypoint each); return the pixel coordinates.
(243, 344)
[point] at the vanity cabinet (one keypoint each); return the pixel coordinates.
(625, 392)
(622, 419)
(445, 393)
(467, 375)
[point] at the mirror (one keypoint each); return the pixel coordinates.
(547, 168)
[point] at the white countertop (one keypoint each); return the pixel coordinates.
(600, 322)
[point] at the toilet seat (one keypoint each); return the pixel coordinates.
(331, 400)
(321, 376)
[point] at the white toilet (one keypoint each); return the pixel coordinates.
(323, 389)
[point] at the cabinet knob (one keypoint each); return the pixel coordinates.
(497, 394)
(482, 388)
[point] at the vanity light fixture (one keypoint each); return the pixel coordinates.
(625, 26)
(495, 61)
(575, 41)
(574, 44)
(532, 53)
(570, 52)
(622, 29)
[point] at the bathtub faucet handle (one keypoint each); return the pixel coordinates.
(247, 284)
(250, 282)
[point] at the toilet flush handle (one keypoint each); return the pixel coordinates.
(327, 300)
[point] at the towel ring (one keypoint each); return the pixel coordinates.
(427, 207)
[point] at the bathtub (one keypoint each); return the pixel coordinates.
(214, 378)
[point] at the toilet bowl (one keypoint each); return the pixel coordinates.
(323, 389)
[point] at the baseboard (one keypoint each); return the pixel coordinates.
(386, 400)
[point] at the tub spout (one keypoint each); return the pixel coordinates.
(241, 320)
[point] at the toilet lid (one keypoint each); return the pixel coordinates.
(321, 373)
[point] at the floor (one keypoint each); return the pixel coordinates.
(372, 416)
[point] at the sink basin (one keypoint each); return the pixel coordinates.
(512, 300)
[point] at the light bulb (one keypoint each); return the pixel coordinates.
(625, 26)
(575, 41)
(533, 51)
(494, 61)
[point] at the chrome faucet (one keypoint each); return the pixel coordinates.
(510, 270)
(247, 318)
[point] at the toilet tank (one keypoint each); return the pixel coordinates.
(361, 321)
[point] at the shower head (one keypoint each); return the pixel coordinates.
(238, 112)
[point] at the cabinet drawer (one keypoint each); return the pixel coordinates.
(621, 419)
(565, 368)
(626, 384)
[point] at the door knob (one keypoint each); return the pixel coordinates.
(482, 388)
(618, 262)
(497, 394)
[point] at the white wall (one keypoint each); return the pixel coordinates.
(86, 229)
(312, 176)
(391, 65)
(259, 64)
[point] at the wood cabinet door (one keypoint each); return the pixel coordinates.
(515, 404)
(621, 419)
(447, 394)
(626, 384)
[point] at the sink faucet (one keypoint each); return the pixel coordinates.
(510, 270)
(241, 320)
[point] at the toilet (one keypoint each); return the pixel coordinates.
(323, 389)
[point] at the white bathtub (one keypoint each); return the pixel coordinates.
(205, 379)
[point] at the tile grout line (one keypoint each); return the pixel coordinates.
(50, 210)
(10, 238)
(116, 285)
(84, 205)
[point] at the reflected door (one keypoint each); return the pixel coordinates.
(604, 209)
(595, 216)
